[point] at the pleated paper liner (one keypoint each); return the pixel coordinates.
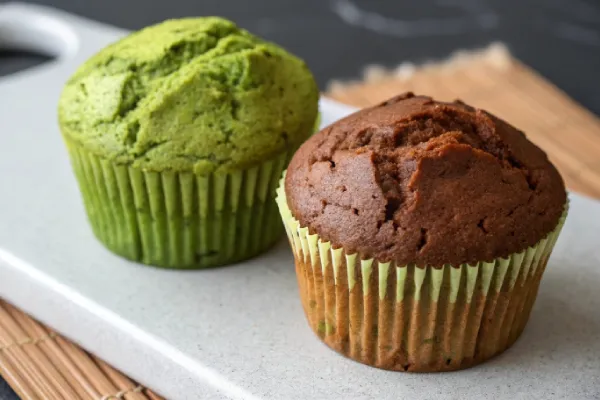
(406, 318)
(180, 219)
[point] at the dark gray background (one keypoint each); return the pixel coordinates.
(559, 38)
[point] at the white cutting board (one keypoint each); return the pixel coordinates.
(235, 332)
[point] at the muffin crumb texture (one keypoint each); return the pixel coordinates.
(195, 94)
(420, 181)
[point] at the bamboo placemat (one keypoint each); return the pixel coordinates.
(40, 364)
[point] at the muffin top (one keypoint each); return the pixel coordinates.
(414, 180)
(197, 94)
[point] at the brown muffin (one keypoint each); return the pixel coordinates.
(433, 205)
(420, 181)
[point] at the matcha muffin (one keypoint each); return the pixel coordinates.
(420, 231)
(178, 135)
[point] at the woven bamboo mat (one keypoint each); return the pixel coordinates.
(40, 364)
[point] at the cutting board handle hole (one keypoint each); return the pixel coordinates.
(12, 61)
(37, 34)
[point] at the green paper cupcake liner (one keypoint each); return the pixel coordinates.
(407, 318)
(180, 219)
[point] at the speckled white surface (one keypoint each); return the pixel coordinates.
(236, 332)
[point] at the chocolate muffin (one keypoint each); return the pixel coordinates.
(421, 230)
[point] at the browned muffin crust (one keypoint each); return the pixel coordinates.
(414, 180)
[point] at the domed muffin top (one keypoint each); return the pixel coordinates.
(414, 180)
(197, 94)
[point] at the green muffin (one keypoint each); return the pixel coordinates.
(178, 135)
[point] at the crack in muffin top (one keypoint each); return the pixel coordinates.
(414, 180)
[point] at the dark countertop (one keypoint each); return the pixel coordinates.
(5, 392)
(338, 38)
(558, 38)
